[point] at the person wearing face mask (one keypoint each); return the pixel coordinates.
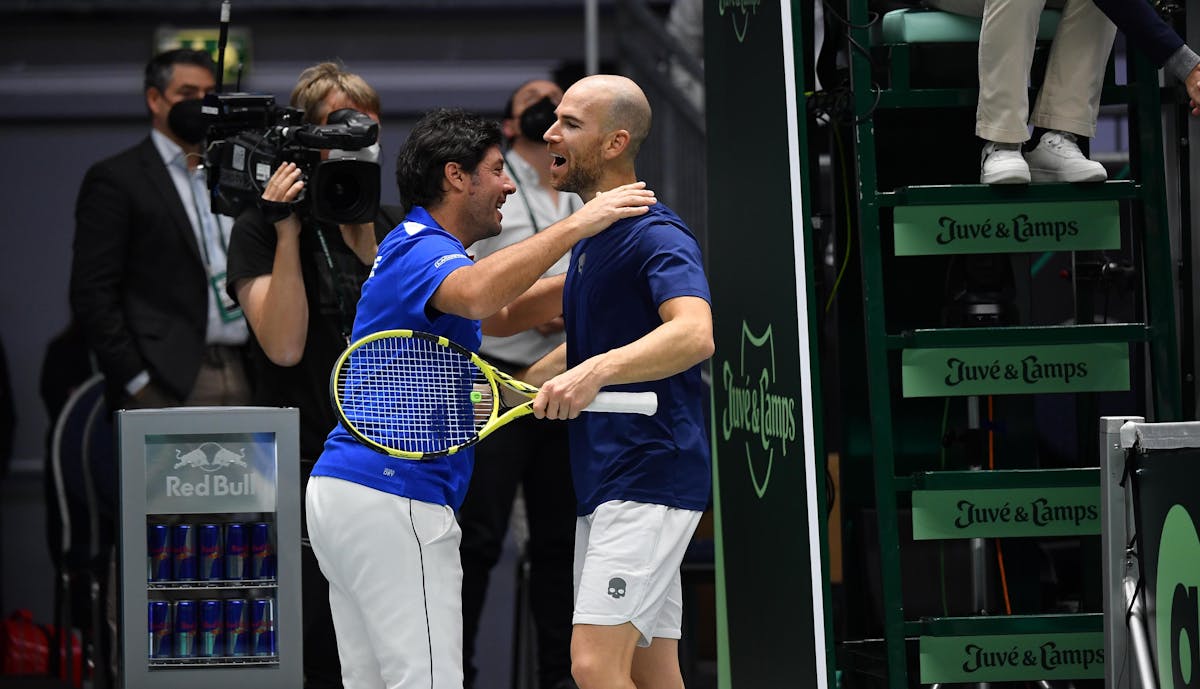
(148, 269)
(528, 454)
(149, 258)
(298, 280)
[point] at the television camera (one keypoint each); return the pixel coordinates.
(249, 137)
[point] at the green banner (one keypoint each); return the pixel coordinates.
(1007, 228)
(1168, 511)
(768, 462)
(1015, 370)
(1012, 657)
(1060, 511)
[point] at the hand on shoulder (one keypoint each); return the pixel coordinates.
(607, 207)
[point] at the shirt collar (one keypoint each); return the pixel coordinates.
(419, 217)
(171, 152)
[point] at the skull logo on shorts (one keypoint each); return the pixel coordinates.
(616, 587)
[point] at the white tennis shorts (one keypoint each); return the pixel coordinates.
(627, 557)
(395, 585)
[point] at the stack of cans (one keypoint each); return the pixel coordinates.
(210, 552)
(233, 628)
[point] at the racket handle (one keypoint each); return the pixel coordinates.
(625, 403)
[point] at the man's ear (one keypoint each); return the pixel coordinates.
(454, 176)
(154, 98)
(510, 127)
(615, 144)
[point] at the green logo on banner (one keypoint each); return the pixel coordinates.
(1015, 370)
(766, 419)
(1063, 511)
(1012, 657)
(1177, 598)
(998, 228)
(740, 25)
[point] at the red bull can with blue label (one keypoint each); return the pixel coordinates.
(183, 544)
(184, 629)
(158, 552)
(237, 552)
(211, 562)
(262, 624)
(210, 639)
(159, 624)
(262, 555)
(237, 628)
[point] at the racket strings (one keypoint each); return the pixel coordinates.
(414, 395)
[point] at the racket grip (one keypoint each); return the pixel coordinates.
(625, 403)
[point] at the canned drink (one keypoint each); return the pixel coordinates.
(159, 625)
(184, 629)
(211, 564)
(262, 556)
(158, 551)
(210, 639)
(183, 544)
(236, 552)
(262, 624)
(237, 627)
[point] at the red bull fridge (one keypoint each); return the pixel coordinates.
(209, 562)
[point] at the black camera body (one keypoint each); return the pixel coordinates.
(249, 137)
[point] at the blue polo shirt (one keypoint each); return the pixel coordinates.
(615, 284)
(411, 264)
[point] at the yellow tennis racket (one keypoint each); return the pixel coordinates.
(415, 395)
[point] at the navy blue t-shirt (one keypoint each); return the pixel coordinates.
(615, 284)
(411, 264)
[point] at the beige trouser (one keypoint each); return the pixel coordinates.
(1069, 99)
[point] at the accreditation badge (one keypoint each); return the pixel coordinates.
(229, 309)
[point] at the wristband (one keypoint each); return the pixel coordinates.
(274, 211)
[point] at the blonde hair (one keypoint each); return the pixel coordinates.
(318, 81)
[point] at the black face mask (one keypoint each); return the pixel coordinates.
(187, 122)
(537, 118)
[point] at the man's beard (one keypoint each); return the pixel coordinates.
(580, 178)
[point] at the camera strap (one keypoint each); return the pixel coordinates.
(211, 234)
(347, 321)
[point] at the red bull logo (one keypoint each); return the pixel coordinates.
(214, 485)
(210, 457)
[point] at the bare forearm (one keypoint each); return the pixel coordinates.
(276, 306)
(670, 348)
(547, 367)
(683, 340)
(502, 277)
(482, 289)
(538, 304)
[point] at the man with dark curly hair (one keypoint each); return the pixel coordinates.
(383, 528)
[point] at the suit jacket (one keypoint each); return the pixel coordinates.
(139, 289)
(1143, 27)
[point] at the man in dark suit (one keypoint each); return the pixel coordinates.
(148, 276)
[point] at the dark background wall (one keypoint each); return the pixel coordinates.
(70, 89)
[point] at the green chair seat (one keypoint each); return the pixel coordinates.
(935, 26)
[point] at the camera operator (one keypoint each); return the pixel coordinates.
(298, 280)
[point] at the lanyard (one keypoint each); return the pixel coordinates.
(512, 172)
(335, 277)
(201, 216)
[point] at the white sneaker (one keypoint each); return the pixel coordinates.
(1057, 159)
(1002, 164)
